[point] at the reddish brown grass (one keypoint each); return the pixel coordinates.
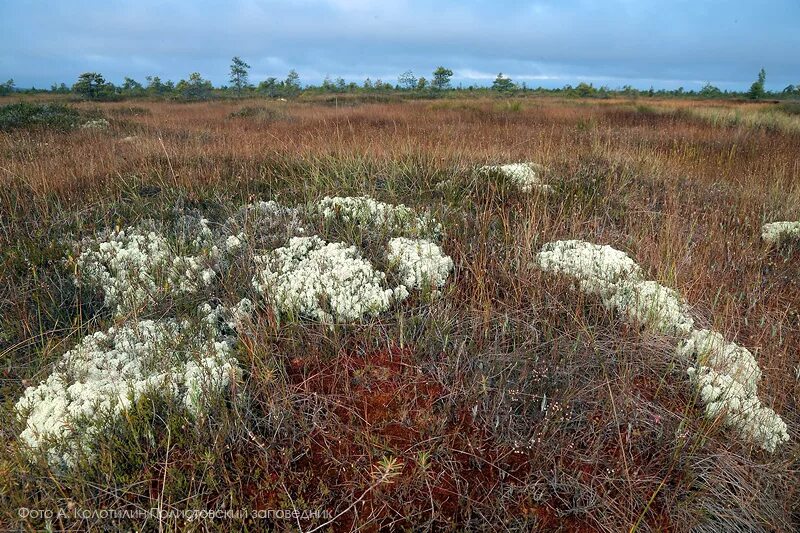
(463, 382)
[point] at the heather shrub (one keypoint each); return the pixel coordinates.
(25, 115)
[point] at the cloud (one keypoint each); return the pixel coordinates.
(470, 74)
(552, 42)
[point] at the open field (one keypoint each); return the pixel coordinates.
(509, 398)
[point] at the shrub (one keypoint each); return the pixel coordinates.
(790, 108)
(263, 114)
(34, 116)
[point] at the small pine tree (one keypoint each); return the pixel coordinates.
(92, 86)
(585, 90)
(7, 87)
(710, 91)
(269, 86)
(407, 80)
(195, 88)
(292, 83)
(503, 84)
(757, 89)
(239, 74)
(131, 87)
(154, 85)
(441, 78)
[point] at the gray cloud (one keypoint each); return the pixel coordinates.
(641, 42)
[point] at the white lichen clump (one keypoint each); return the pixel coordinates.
(725, 374)
(189, 360)
(710, 349)
(332, 283)
(321, 281)
(366, 211)
(651, 304)
(598, 269)
(134, 269)
(96, 124)
(108, 371)
(190, 274)
(127, 266)
(722, 395)
(526, 176)
(420, 263)
(234, 242)
(777, 232)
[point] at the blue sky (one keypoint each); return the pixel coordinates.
(549, 43)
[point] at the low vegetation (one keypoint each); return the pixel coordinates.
(38, 116)
(451, 314)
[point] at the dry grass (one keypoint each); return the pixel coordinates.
(510, 401)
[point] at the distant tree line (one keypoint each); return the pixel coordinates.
(93, 86)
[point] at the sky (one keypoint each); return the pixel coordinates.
(643, 43)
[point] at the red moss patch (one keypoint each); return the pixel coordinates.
(387, 407)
